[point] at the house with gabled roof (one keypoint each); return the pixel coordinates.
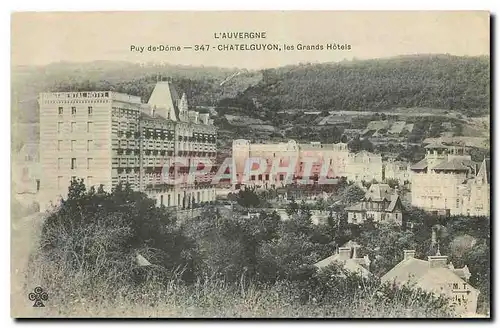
(347, 257)
(381, 203)
(437, 276)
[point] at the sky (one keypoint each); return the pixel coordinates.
(44, 38)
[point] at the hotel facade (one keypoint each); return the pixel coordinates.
(309, 162)
(447, 181)
(107, 138)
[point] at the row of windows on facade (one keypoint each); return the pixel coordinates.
(90, 110)
(193, 200)
(431, 201)
(137, 152)
(167, 135)
(73, 126)
(260, 177)
(90, 144)
(73, 163)
(145, 152)
(124, 111)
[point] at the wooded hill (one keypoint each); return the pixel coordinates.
(434, 81)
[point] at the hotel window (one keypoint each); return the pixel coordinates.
(161, 200)
(73, 126)
(60, 110)
(89, 163)
(59, 144)
(59, 182)
(282, 177)
(91, 110)
(59, 126)
(73, 143)
(73, 163)
(59, 161)
(89, 126)
(267, 177)
(73, 110)
(252, 178)
(260, 177)
(89, 181)
(455, 286)
(89, 145)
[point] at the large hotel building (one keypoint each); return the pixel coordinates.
(106, 137)
(327, 161)
(447, 181)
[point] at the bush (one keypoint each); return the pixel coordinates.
(98, 235)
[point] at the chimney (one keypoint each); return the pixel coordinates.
(438, 261)
(344, 253)
(355, 252)
(409, 254)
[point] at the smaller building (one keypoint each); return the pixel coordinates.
(437, 276)
(381, 203)
(347, 257)
(364, 166)
(397, 170)
(26, 170)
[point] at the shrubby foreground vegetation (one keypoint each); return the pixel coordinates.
(221, 264)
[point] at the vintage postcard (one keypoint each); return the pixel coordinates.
(250, 164)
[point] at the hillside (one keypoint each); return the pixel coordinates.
(406, 85)
(437, 81)
(203, 85)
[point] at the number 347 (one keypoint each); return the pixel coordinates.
(201, 47)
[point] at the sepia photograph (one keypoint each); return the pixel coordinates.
(251, 164)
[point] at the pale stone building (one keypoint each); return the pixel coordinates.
(330, 160)
(26, 169)
(286, 155)
(380, 203)
(447, 181)
(107, 138)
(437, 276)
(397, 170)
(364, 166)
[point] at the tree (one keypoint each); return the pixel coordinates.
(292, 207)
(248, 198)
(98, 235)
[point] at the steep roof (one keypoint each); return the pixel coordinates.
(379, 192)
(394, 201)
(419, 272)
(354, 265)
(409, 270)
(484, 170)
(164, 96)
(420, 165)
(456, 164)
